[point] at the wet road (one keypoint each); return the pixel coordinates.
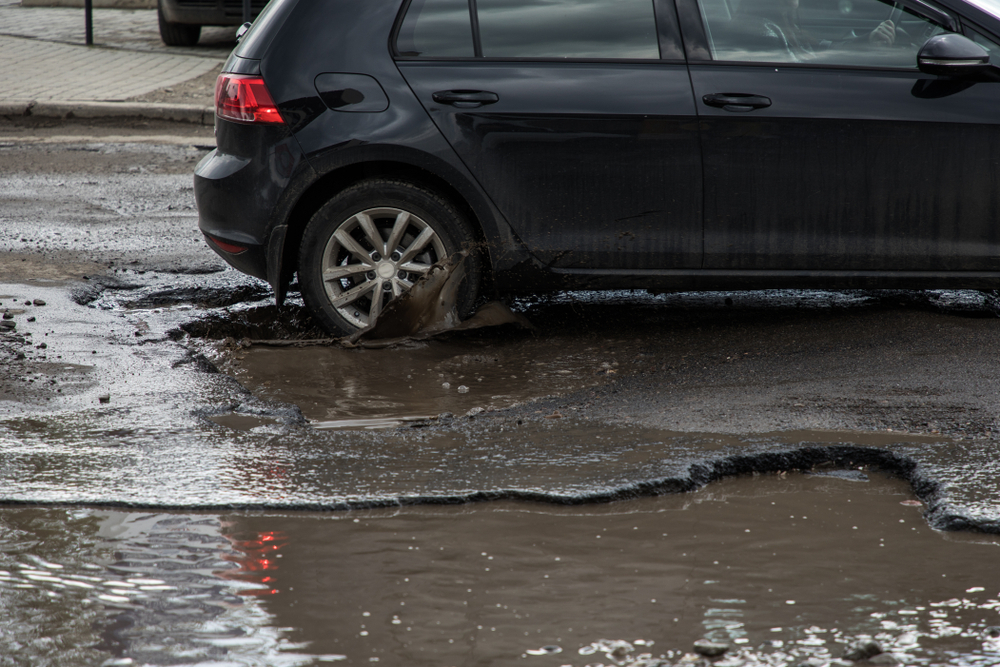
(112, 397)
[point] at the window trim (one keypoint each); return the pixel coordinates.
(662, 27)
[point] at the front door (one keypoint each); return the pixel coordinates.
(826, 149)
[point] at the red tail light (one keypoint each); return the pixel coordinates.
(245, 99)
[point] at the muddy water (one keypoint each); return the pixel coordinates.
(781, 568)
(339, 388)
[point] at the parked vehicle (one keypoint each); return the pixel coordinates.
(660, 144)
(181, 20)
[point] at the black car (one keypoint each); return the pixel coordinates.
(598, 144)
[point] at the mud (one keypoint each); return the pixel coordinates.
(780, 570)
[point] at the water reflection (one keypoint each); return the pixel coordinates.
(257, 560)
(781, 569)
(115, 588)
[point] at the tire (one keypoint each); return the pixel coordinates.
(177, 34)
(339, 242)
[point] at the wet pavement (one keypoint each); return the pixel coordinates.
(637, 438)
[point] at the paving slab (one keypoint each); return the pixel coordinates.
(49, 71)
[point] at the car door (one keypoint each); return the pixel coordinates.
(564, 110)
(825, 149)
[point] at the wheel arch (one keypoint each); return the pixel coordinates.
(335, 180)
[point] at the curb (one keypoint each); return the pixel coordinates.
(98, 4)
(185, 113)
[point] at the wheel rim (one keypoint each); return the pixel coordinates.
(375, 256)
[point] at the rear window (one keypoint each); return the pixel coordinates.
(436, 29)
(590, 29)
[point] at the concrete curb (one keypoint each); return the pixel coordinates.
(186, 113)
(98, 4)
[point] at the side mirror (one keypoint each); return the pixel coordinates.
(953, 55)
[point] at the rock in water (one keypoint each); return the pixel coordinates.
(710, 649)
(862, 649)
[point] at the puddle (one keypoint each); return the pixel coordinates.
(334, 386)
(241, 422)
(781, 569)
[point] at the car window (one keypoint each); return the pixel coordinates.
(861, 33)
(985, 42)
(568, 29)
(436, 29)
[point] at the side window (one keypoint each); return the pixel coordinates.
(436, 29)
(568, 29)
(860, 33)
(985, 42)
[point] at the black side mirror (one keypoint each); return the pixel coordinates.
(953, 55)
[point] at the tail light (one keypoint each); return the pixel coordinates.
(245, 99)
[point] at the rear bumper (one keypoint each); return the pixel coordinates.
(235, 198)
(251, 260)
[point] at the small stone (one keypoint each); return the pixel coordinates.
(620, 651)
(7, 315)
(862, 649)
(444, 416)
(710, 649)
(811, 662)
(104, 398)
(31, 319)
(7, 324)
(474, 411)
(38, 302)
(20, 356)
(446, 385)
(885, 659)
(42, 346)
(462, 389)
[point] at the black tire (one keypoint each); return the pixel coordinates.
(177, 34)
(425, 227)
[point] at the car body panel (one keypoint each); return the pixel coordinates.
(561, 137)
(850, 169)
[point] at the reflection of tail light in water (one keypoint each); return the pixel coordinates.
(256, 560)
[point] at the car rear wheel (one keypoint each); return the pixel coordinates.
(371, 243)
(177, 34)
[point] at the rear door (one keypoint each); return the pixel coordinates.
(576, 117)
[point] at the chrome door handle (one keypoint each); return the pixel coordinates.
(737, 102)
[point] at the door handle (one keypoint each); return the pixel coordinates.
(465, 99)
(737, 102)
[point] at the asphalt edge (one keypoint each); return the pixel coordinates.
(185, 113)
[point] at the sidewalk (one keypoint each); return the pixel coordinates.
(48, 71)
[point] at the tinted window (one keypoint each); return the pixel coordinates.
(864, 33)
(436, 29)
(568, 29)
